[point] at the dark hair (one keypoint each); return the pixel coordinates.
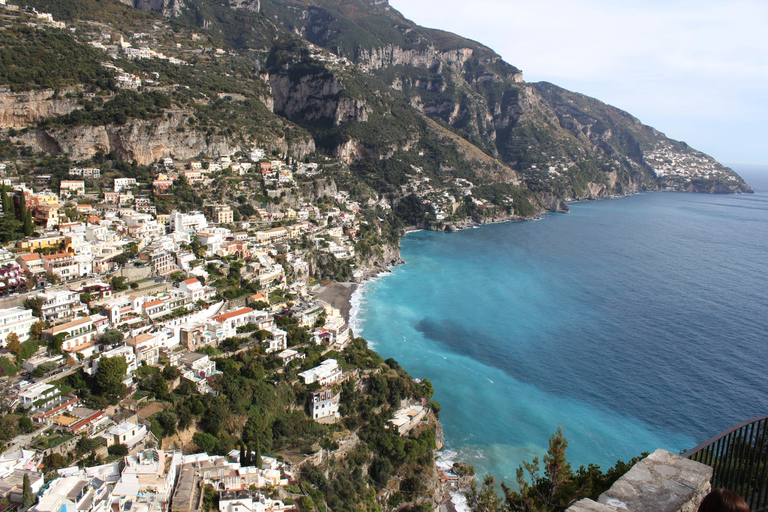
(723, 500)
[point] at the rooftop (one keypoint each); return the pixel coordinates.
(232, 314)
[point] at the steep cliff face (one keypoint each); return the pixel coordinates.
(384, 256)
(21, 109)
(391, 55)
(146, 141)
(315, 97)
(170, 8)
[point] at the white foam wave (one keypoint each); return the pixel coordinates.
(356, 302)
(459, 501)
(444, 462)
(445, 459)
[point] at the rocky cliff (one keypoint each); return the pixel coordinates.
(145, 141)
(21, 109)
(315, 98)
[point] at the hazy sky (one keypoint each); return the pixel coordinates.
(696, 70)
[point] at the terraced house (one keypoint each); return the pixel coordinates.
(79, 336)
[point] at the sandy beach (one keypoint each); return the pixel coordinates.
(339, 296)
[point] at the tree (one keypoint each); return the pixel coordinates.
(256, 461)
(56, 342)
(28, 227)
(51, 277)
(110, 374)
(205, 442)
(22, 207)
(7, 201)
(55, 461)
(36, 305)
(486, 500)
(111, 337)
(118, 449)
(13, 344)
(87, 444)
(118, 283)
(167, 421)
(171, 373)
(27, 497)
(25, 424)
(556, 490)
(36, 330)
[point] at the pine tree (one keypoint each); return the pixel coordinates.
(22, 207)
(27, 497)
(28, 226)
(4, 198)
(257, 455)
(242, 453)
(556, 469)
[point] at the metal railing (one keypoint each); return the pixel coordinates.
(739, 458)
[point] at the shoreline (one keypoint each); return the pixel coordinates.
(338, 295)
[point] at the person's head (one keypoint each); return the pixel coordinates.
(723, 500)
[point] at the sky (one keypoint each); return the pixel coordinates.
(695, 70)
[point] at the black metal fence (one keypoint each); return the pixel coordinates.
(739, 458)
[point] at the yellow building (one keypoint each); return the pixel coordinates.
(44, 242)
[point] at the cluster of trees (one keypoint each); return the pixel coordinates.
(16, 222)
(553, 490)
(124, 106)
(522, 199)
(329, 267)
(32, 59)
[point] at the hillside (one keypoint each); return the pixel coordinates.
(270, 147)
(354, 81)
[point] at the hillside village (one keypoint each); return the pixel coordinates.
(107, 281)
(163, 341)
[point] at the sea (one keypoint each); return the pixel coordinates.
(633, 323)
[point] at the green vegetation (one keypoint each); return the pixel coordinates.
(124, 106)
(558, 488)
(36, 59)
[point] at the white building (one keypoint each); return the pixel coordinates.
(324, 403)
(124, 184)
(15, 320)
(79, 336)
(126, 433)
(36, 392)
(197, 369)
(327, 374)
(231, 320)
(61, 304)
(146, 347)
(192, 221)
(277, 341)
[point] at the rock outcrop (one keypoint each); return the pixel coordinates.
(21, 109)
(145, 141)
(315, 98)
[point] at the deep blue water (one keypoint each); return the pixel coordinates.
(635, 323)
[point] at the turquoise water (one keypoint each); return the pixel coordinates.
(635, 323)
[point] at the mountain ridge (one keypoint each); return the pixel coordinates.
(357, 81)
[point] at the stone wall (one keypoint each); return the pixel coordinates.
(135, 273)
(662, 482)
